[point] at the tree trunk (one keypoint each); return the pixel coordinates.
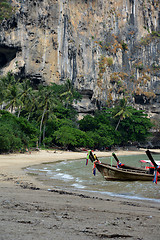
(44, 128)
(19, 112)
(117, 124)
(29, 116)
(40, 128)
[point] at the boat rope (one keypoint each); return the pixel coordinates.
(111, 160)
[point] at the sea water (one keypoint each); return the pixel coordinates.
(75, 175)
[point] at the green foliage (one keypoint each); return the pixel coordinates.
(6, 10)
(46, 114)
(116, 126)
(109, 61)
(149, 38)
(99, 129)
(15, 133)
(8, 139)
(139, 66)
(29, 130)
(106, 135)
(88, 123)
(121, 111)
(70, 137)
(156, 34)
(124, 46)
(155, 66)
(69, 94)
(136, 127)
(48, 107)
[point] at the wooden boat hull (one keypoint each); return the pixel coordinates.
(111, 173)
(124, 172)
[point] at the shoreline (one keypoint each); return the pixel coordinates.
(29, 211)
(12, 165)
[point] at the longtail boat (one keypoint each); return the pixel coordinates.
(122, 172)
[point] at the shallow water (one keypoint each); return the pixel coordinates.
(75, 175)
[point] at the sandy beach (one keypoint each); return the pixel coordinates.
(29, 211)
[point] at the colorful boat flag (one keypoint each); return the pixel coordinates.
(94, 169)
(155, 175)
(88, 157)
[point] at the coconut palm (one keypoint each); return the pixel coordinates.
(122, 111)
(2, 92)
(12, 98)
(68, 89)
(25, 93)
(69, 93)
(31, 103)
(5, 83)
(46, 104)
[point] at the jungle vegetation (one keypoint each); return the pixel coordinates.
(44, 116)
(6, 10)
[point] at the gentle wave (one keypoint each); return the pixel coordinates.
(75, 174)
(111, 194)
(63, 176)
(79, 186)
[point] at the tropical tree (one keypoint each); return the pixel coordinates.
(99, 129)
(121, 111)
(25, 93)
(6, 10)
(88, 123)
(135, 128)
(2, 92)
(5, 83)
(69, 93)
(46, 104)
(15, 133)
(31, 104)
(12, 98)
(70, 137)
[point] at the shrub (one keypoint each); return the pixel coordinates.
(156, 34)
(6, 10)
(109, 61)
(70, 137)
(15, 133)
(124, 46)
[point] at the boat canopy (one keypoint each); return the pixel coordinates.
(148, 161)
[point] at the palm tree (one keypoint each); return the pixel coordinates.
(122, 111)
(69, 93)
(31, 103)
(46, 104)
(5, 83)
(12, 99)
(24, 94)
(2, 92)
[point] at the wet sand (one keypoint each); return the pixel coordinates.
(29, 211)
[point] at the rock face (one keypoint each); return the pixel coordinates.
(109, 49)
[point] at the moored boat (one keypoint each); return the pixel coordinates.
(122, 172)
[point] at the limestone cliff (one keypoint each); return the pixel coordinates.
(109, 49)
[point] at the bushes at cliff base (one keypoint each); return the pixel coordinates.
(15, 133)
